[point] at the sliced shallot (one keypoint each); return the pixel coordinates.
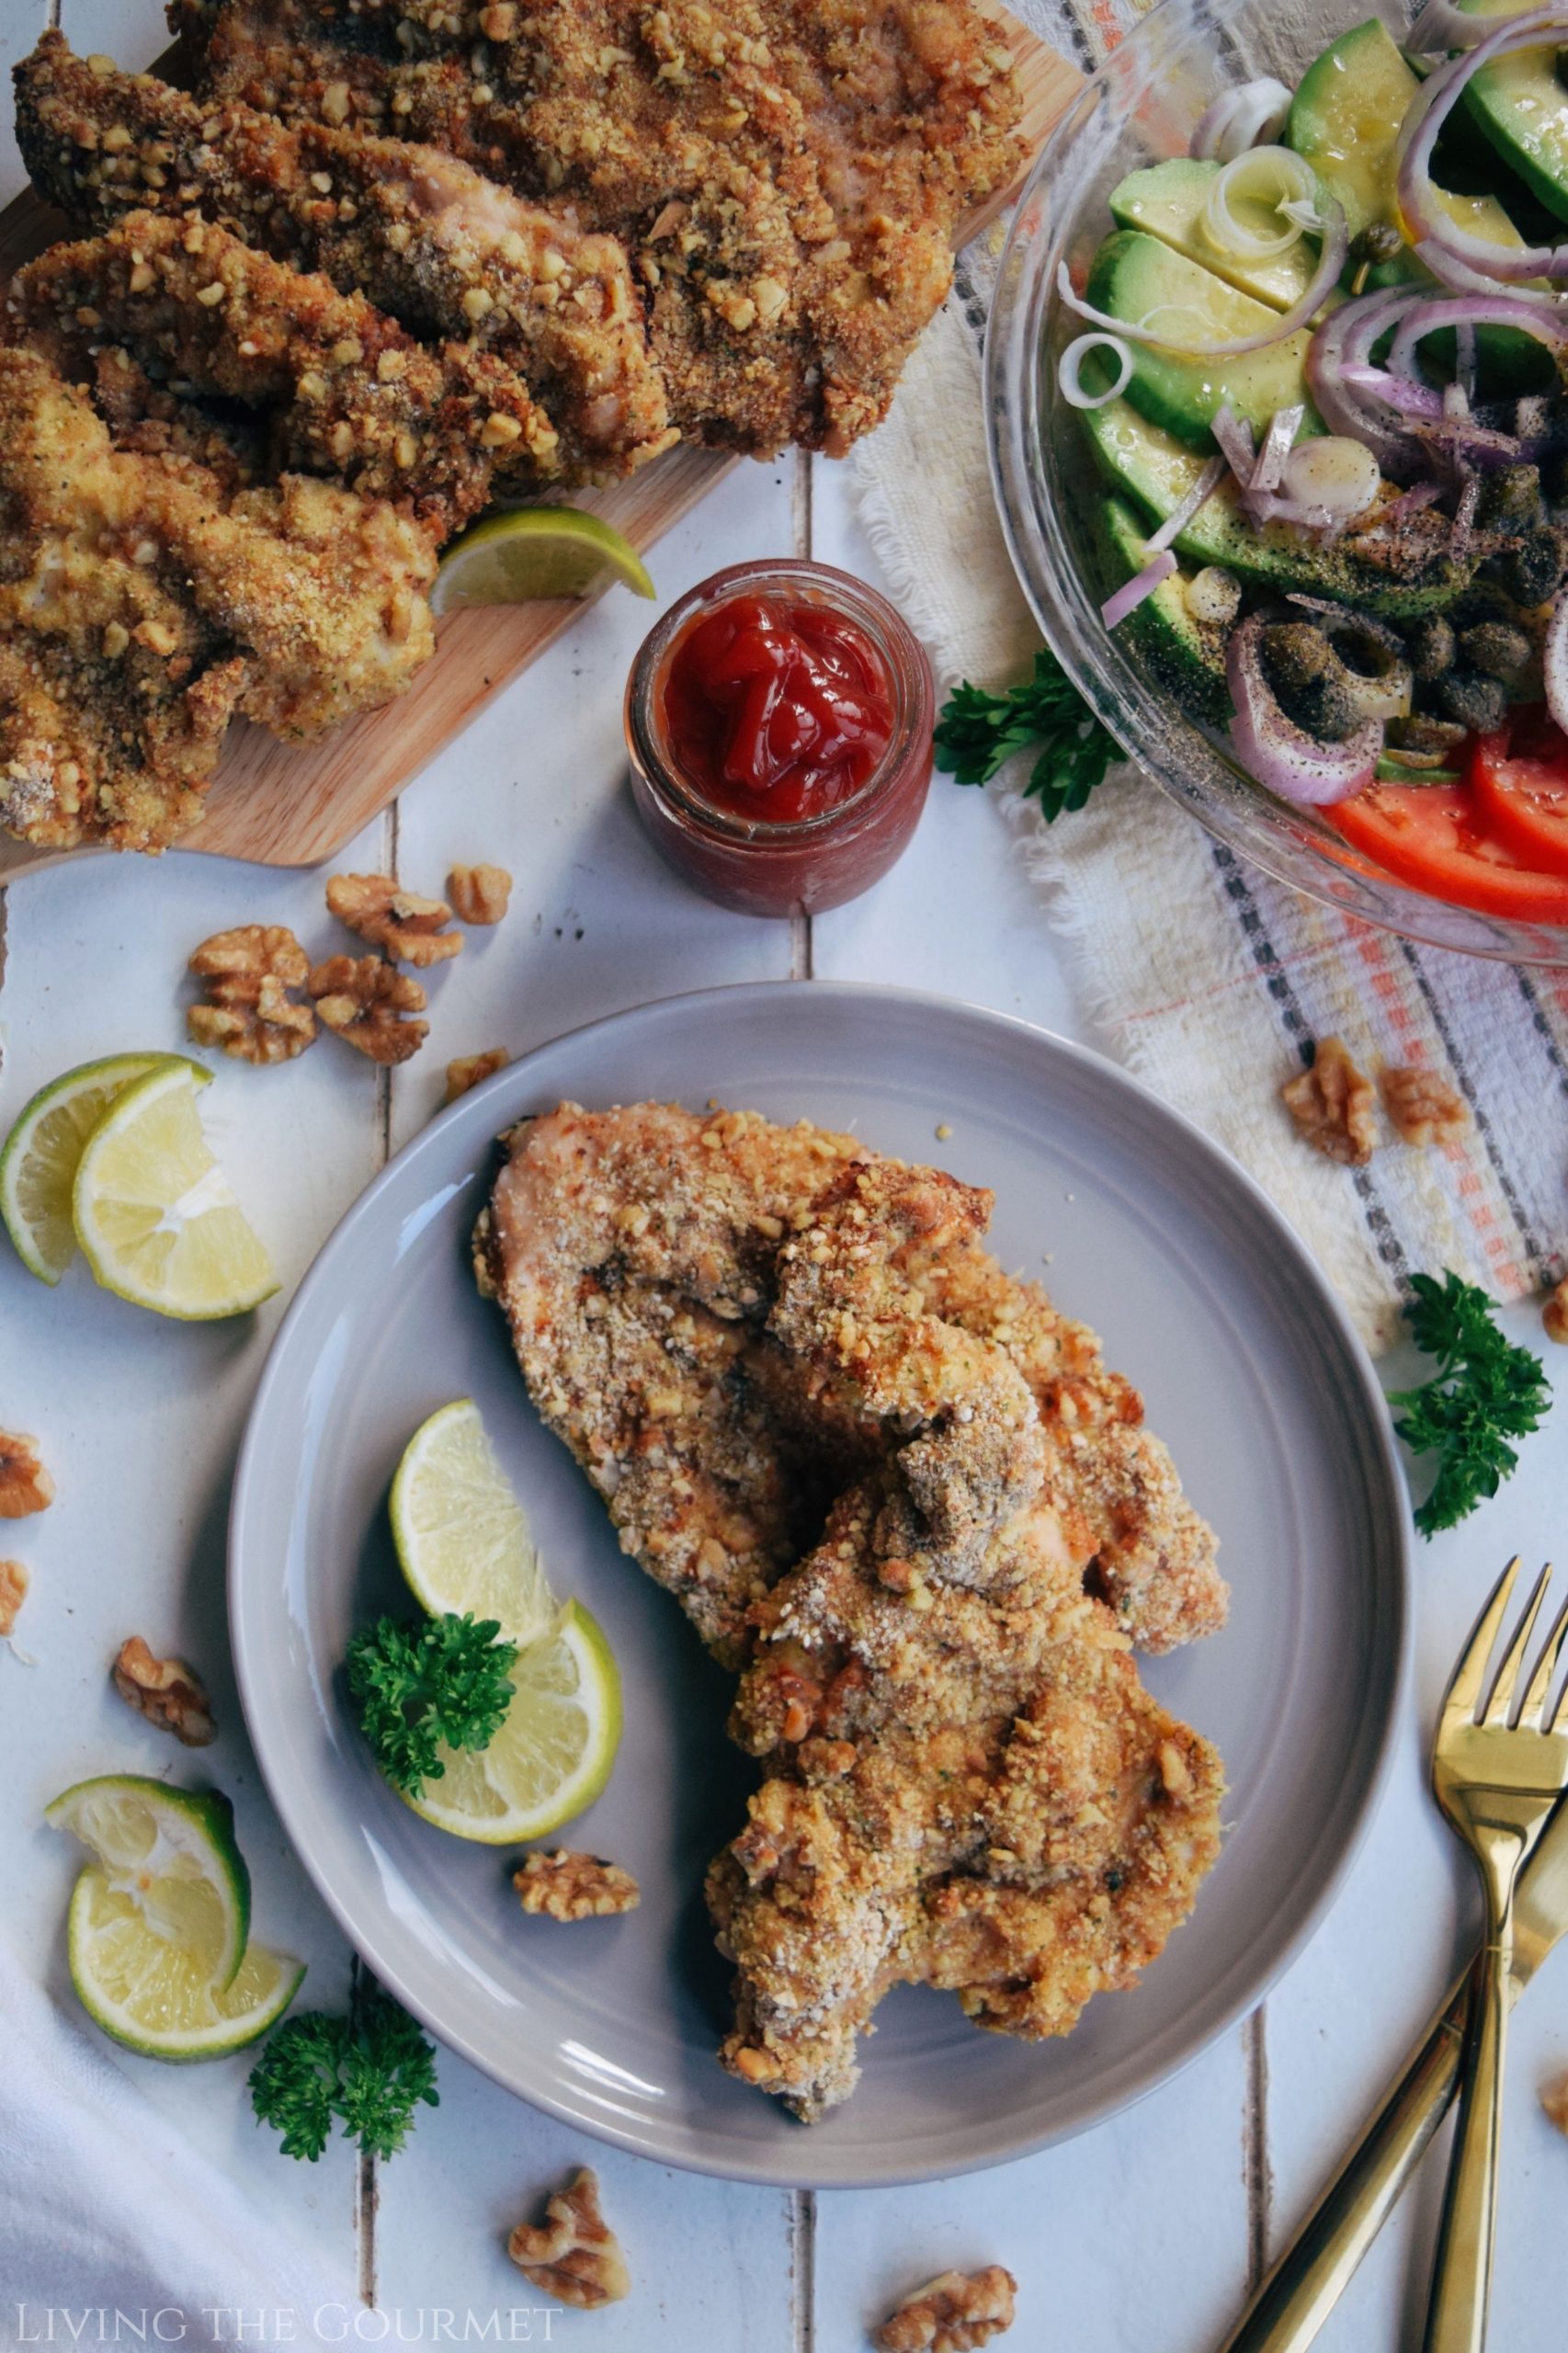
(1273, 182)
(1069, 375)
(1241, 118)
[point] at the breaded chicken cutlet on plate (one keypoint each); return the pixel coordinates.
(902, 1494)
(430, 256)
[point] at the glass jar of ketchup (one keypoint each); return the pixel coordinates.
(779, 720)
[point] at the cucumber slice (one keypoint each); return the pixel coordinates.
(1135, 276)
(1182, 655)
(1167, 201)
(1155, 471)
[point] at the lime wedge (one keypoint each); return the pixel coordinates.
(38, 1166)
(536, 551)
(149, 1991)
(171, 1854)
(462, 1535)
(155, 1213)
(554, 1752)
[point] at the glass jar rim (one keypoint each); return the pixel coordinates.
(904, 661)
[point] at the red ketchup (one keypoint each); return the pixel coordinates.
(780, 725)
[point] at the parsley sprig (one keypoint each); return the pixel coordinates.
(1485, 1391)
(978, 731)
(369, 2072)
(416, 1686)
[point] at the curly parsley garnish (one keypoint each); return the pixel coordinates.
(416, 1686)
(978, 731)
(1485, 1390)
(369, 2072)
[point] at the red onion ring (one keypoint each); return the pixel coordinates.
(1459, 279)
(1425, 117)
(1425, 317)
(1343, 341)
(1131, 593)
(1280, 755)
(1331, 261)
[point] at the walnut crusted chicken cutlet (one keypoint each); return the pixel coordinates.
(907, 1500)
(787, 177)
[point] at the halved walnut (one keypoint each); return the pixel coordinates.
(572, 2254)
(25, 1485)
(14, 1582)
(249, 1012)
(478, 895)
(1422, 1108)
(1554, 1314)
(950, 2314)
(568, 1886)
(469, 1070)
(1333, 1105)
(406, 927)
(364, 1001)
(165, 1691)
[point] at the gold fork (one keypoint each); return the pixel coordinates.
(1497, 1782)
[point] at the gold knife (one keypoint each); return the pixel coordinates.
(1314, 2270)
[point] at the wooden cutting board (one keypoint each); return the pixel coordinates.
(295, 804)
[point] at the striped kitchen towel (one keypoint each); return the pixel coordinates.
(1208, 979)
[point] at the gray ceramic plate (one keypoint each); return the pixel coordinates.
(1204, 1297)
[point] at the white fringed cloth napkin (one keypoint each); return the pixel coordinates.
(1206, 977)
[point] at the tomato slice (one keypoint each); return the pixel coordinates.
(1436, 838)
(1521, 779)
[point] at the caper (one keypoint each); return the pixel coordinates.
(1494, 648)
(1512, 501)
(1425, 734)
(1532, 568)
(1379, 241)
(1294, 655)
(1475, 702)
(1431, 645)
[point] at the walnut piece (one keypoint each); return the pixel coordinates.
(406, 927)
(952, 2314)
(14, 1582)
(25, 1485)
(1554, 1314)
(1332, 1105)
(568, 1886)
(573, 2255)
(1423, 1107)
(479, 893)
(249, 1012)
(165, 1691)
(364, 1001)
(469, 1070)
(1554, 2103)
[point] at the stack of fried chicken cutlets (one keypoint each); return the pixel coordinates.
(393, 259)
(903, 1497)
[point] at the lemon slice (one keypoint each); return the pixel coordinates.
(149, 1990)
(552, 1754)
(155, 1213)
(38, 1166)
(463, 1537)
(171, 1853)
(536, 551)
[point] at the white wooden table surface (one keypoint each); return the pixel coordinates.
(1140, 2237)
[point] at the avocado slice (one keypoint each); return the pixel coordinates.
(1134, 275)
(1154, 471)
(1167, 201)
(1344, 120)
(1522, 107)
(1185, 657)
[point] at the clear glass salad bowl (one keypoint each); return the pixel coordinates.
(1139, 110)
